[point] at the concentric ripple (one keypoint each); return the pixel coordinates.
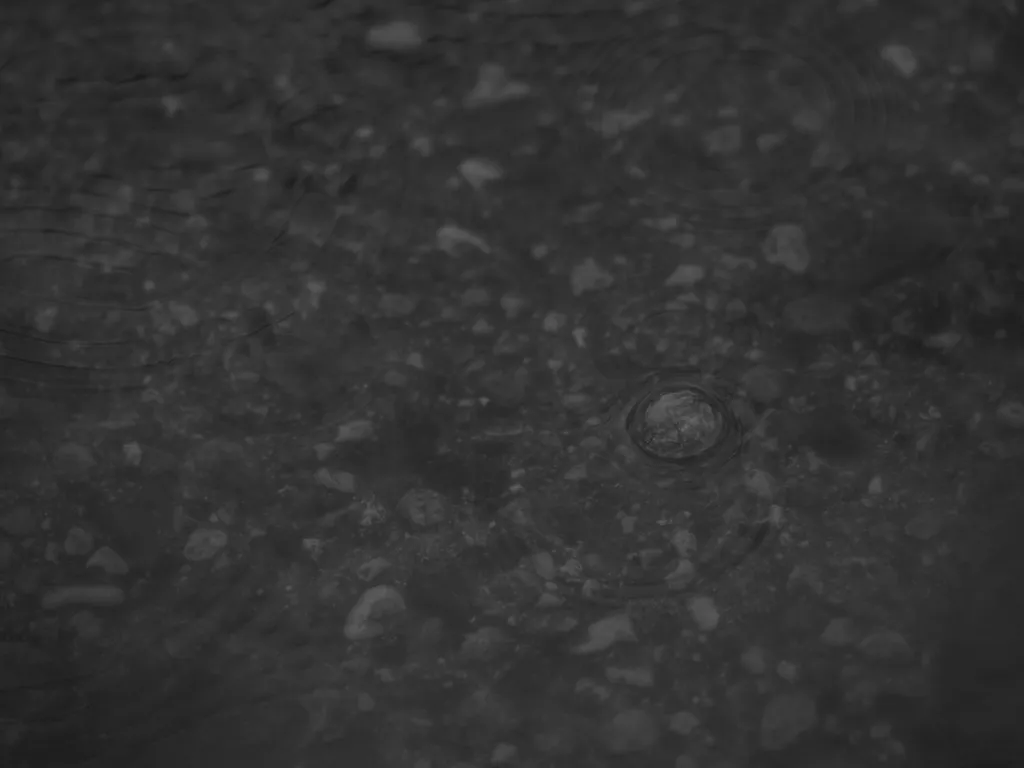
(678, 423)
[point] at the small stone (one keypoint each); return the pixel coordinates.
(786, 245)
(544, 566)
(397, 305)
(685, 276)
(205, 544)
(493, 86)
(632, 730)
(185, 314)
(78, 542)
(336, 480)
(760, 483)
(479, 172)
(704, 612)
(97, 596)
(73, 461)
(788, 671)
(504, 754)
(108, 561)
(900, 58)
(376, 603)
(841, 633)
(875, 486)
(372, 568)
(354, 431)
(786, 717)
(400, 36)
(754, 661)
(764, 384)
(606, 632)
(1010, 413)
(452, 239)
(589, 276)
(885, 645)
(817, 315)
(684, 723)
(424, 507)
(638, 677)
(20, 522)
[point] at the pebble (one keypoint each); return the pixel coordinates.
(1010, 413)
(97, 596)
(588, 276)
(886, 644)
(478, 172)
(354, 431)
(336, 480)
(900, 58)
(639, 677)
(493, 86)
(786, 245)
(423, 507)
(840, 633)
(925, 525)
(204, 544)
(399, 36)
(504, 754)
(19, 522)
(372, 568)
(764, 384)
(451, 239)
(108, 561)
(684, 723)
(632, 730)
(375, 603)
(544, 566)
(760, 483)
(817, 315)
(704, 612)
(786, 717)
(78, 542)
(685, 276)
(606, 632)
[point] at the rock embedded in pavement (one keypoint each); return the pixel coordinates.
(786, 246)
(786, 717)
(606, 632)
(108, 561)
(424, 507)
(364, 621)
